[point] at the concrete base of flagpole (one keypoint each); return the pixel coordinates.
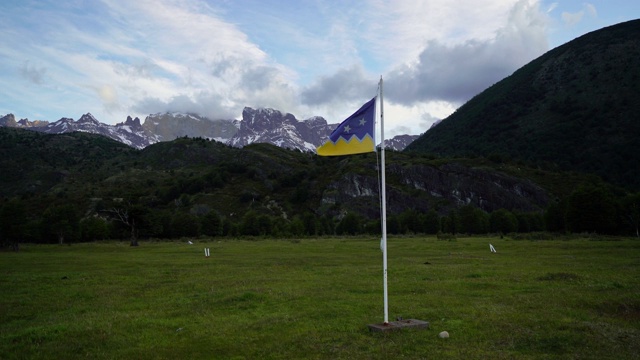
(400, 324)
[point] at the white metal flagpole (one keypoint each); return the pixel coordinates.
(384, 211)
(383, 242)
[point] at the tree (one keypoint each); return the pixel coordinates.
(528, 222)
(211, 224)
(132, 216)
(310, 223)
(631, 211)
(93, 228)
(62, 222)
(185, 224)
(430, 222)
(264, 225)
(13, 217)
(349, 225)
(410, 221)
(503, 221)
(473, 220)
(327, 226)
(296, 227)
(591, 208)
(554, 218)
(255, 224)
(249, 224)
(393, 225)
(451, 223)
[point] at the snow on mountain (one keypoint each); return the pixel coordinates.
(399, 142)
(130, 132)
(263, 125)
(274, 127)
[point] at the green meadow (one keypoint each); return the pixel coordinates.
(313, 298)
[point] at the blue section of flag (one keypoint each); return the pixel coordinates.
(360, 124)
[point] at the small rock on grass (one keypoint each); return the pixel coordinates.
(444, 335)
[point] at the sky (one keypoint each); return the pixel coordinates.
(119, 58)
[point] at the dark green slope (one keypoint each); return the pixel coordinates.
(33, 162)
(576, 107)
(189, 180)
(79, 168)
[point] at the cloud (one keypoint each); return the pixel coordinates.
(455, 73)
(109, 97)
(33, 73)
(203, 103)
(572, 19)
(200, 62)
(215, 57)
(434, 64)
(346, 84)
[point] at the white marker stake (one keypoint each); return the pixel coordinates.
(492, 248)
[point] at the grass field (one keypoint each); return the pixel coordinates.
(270, 299)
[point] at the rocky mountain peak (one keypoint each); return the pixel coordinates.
(399, 142)
(316, 121)
(264, 118)
(133, 123)
(8, 120)
(262, 125)
(88, 118)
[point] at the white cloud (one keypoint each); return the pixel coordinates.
(437, 52)
(574, 18)
(33, 73)
(109, 97)
(118, 57)
(457, 72)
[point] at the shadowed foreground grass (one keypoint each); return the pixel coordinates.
(314, 298)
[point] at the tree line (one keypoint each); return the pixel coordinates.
(589, 208)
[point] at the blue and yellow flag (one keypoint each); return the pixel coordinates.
(354, 135)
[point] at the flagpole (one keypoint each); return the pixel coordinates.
(384, 211)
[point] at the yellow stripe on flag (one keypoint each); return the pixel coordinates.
(342, 147)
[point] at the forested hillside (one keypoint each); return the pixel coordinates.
(82, 187)
(574, 108)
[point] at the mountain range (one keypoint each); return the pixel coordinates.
(262, 125)
(552, 147)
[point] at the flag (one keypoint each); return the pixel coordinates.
(354, 135)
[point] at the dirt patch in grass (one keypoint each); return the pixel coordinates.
(628, 310)
(560, 276)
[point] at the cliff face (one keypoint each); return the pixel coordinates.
(463, 185)
(424, 188)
